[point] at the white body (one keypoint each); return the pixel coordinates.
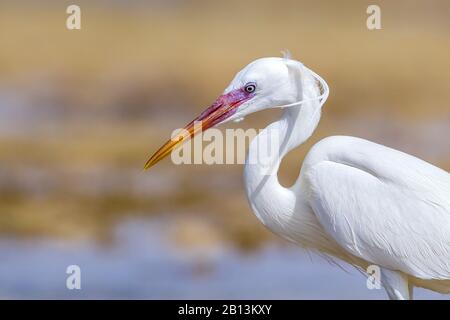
(355, 200)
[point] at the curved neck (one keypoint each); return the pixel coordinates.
(269, 199)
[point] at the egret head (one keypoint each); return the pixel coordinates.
(264, 83)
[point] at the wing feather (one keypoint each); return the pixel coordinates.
(382, 205)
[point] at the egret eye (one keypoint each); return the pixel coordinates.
(250, 87)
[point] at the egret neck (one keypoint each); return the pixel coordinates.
(264, 191)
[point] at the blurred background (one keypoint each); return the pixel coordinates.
(82, 110)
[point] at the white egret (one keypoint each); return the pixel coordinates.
(354, 200)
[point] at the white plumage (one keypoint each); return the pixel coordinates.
(359, 201)
(354, 200)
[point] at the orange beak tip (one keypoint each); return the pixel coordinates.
(148, 164)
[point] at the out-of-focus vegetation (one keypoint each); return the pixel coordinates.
(80, 111)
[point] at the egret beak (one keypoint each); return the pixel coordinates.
(223, 108)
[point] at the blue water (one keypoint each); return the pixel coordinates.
(143, 264)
